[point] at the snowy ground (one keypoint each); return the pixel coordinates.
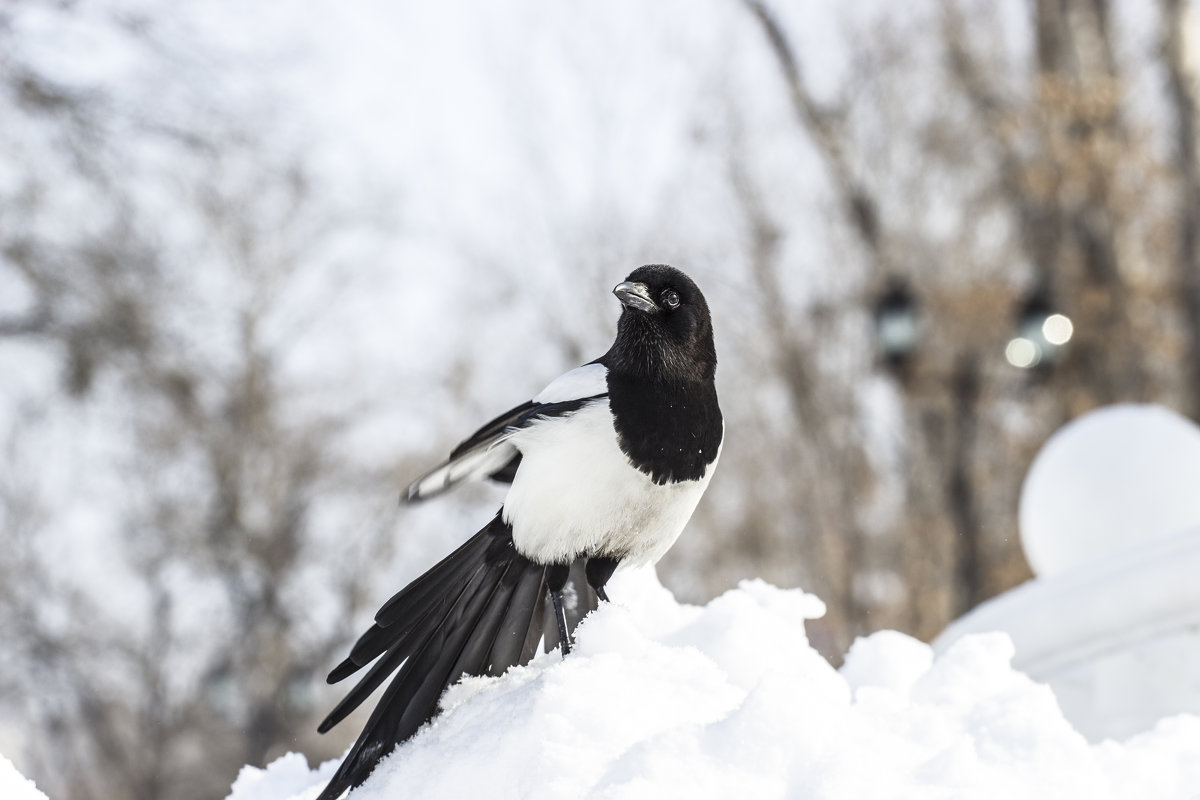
(668, 700)
(14, 785)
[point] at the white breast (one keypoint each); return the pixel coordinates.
(576, 493)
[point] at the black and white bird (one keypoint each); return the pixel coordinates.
(606, 465)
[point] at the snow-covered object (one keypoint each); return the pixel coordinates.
(1110, 521)
(729, 700)
(14, 785)
(1117, 638)
(1114, 477)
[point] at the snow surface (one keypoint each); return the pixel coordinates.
(14, 785)
(1110, 519)
(668, 700)
(1117, 638)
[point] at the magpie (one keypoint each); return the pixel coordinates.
(605, 466)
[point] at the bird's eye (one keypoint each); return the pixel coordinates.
(670, 299)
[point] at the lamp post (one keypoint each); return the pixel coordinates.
(897, 326)
(1041, 334)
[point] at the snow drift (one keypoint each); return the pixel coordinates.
(668, 700)
(14, 785)
(1110, 520)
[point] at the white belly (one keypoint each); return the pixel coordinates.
(576, 493)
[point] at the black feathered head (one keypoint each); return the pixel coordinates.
(665, 328)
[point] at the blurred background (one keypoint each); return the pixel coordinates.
(262, 262)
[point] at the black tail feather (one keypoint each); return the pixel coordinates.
(512, 643)
(476, 612)
(432, 585)
(412, 697)
(384, 636)
(408, 608)
(476, 652)
(378, 673)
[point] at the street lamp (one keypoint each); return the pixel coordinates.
(1041, 335)
(896, 324)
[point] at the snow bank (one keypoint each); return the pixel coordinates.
(1110, 521)
(15, 786)
(1117, 638)
(667, 700)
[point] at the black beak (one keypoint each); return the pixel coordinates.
(635, 295)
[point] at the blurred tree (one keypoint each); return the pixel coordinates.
(1035, 173)
(154, 261)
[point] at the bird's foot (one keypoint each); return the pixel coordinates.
(561, 616)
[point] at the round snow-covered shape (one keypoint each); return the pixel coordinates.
(1115, 476)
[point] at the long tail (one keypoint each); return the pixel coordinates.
(478, 612)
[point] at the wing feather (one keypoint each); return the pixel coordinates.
(488, 453)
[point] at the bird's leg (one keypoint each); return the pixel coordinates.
(556, 579)
(599, 570)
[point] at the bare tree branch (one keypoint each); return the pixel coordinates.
(858, 205)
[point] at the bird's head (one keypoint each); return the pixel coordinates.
(665, 328)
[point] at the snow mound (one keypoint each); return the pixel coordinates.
(14, 785)
(667, 700)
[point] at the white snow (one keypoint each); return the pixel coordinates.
(14, 785)
(667, 700)
(1117, 638)
(1110, 519)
